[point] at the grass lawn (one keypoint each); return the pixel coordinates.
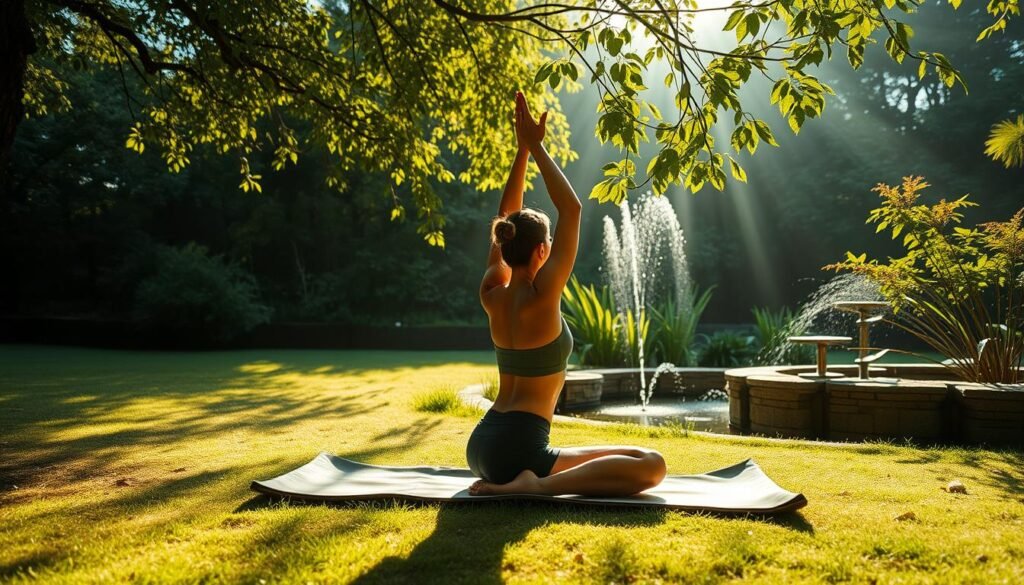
(134, 467)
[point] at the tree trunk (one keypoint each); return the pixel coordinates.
(16, 44)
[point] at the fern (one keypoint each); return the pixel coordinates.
(1006, 142)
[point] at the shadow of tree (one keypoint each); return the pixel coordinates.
(1001, 470)
(484, 531)
(77, 420)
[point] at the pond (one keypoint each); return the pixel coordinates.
(698, 415)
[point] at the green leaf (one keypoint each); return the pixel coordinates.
(733, 20)
(542, 73)
(753, 24)
(435, 238)
(737, 171)
(855, 54)
(765, 132)
(614, 46)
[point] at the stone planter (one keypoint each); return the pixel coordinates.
(787, 406)
(624, 383)
(915, 409)
(990, 415)
(582, 391)
(918, 402)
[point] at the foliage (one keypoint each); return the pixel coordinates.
(442, 400)
(959, 290)
(726, 349)
(193, 292)
(595, 323)
(86, 205)
(386, 87)
(675, 327)
(392, 86)
(1006, 142)
(328, 298)
(85, 200)
(772, 328)
(633, 331)
(608, 337)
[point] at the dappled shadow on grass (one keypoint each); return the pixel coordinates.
(117, 506)
(71, 414)
(470, 539)
(1001, 470)
(793, 521)
(34, 562)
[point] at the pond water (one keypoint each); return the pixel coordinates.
(700, 415)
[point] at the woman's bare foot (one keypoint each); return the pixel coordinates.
(526, 482)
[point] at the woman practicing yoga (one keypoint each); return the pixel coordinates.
(521, 292)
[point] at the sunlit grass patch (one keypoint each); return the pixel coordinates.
(442, 400)
(491, 386)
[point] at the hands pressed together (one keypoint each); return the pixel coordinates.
(529, 132)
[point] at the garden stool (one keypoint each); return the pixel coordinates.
(822, 341)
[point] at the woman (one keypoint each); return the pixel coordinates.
(521, 292)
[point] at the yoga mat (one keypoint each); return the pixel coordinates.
(739, 488)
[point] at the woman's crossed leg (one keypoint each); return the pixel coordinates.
(588, 471)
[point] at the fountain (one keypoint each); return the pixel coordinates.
(636, 256)
(920, 402)
(914, 401)
(645, 265)
(863, 310)
(817, 311)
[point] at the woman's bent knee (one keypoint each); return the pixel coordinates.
(654, 468)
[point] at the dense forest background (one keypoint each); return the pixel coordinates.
(93, 229)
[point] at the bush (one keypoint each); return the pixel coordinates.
(773, 327)
(957, 289)
(607, 337)
(596, 325)
(726, 349)
(328, 298)
(194, 293)
(675, 327)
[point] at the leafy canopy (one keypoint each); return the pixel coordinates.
(420, 90)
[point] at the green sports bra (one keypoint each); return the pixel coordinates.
(537, 361)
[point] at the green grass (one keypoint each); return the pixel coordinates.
(134, 467)
(443, 399)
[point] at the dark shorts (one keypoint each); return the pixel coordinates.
(503, 444)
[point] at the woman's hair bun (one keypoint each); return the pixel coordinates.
(504, 231)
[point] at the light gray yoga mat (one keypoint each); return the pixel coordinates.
(739, 488)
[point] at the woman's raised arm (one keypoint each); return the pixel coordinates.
(556, 271)
(497, 272)
(512, 197)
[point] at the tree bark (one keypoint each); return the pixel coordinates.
(16, 44)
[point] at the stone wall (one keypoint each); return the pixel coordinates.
(915, 409)
(787, 405)
(990, 415)
(776, 401)
(624, 383)
(581, 391)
